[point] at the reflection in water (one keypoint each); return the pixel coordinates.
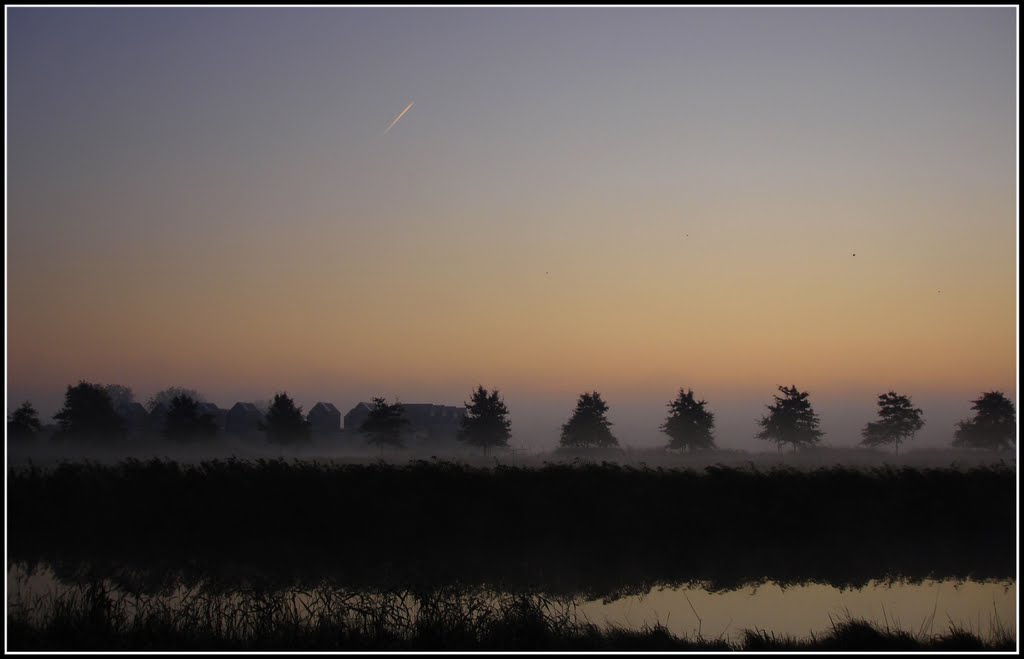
(928, 607)
(800, 610)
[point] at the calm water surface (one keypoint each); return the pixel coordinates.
(795, 610)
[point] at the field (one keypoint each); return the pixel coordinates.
(561, 528)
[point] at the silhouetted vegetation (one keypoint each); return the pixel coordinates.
(94, 618)
(689, 425)
(183, 421)
(385, 424)
(563, 528)
(120, 395)
(88, 413)
(993, 426)
(588, 425)
(284, 422)
(23, 423)
(791, 420)
(486, 421)
(898, 420)
(165, 396)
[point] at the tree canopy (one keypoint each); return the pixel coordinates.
(588, 425)
(994, 425)
(23, 423)
(120, 395)
(89, 412)
(486, 422)
(791, 420)
(385, 423)
(898, 420)
(165, 396)
(284, 422)
(183, 420)
(689, 425)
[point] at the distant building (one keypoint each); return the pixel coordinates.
(219, 414)
(135, 418)
(325, 419)
(243, 419)
(157, 417)
(355, 416)
(427, 422)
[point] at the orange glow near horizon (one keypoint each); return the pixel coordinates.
(551, 218)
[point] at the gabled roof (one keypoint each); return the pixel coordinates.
(131, 409)
(327, 407)
(247, 408)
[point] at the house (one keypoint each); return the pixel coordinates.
(157, 417)
(244, 420)
(219, 414)
(355, 416)
(427, 422)
(135, 418)
(324, 419)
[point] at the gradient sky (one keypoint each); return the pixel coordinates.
(627, 200)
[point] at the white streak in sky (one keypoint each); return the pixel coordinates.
(400, 115)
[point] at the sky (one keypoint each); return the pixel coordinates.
(622, 200)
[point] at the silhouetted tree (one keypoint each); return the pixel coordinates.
(588, 425)
(993, 426)
(120, 395)
(184, 422)
(689, 425)
(385, 424)
(165, 396)
(898, 420)
(23, 423)
(486, 422)
(88, 412)
(285, 422)
(791, 420)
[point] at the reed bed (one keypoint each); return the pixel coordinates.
(93, 617)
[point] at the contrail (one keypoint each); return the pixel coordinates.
(400, 115)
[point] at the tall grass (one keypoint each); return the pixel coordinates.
(94, 618)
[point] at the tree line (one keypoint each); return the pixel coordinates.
(90, 411)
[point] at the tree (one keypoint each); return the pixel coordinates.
(486, 422)
(284, 422)
(791, 420)
(23, 423)
(184, 422)
(689, 425)
(385, 424)
(120, 395)
(994, 425)
(588, 425)
(88, 412)
(898, 420)
(165, 396)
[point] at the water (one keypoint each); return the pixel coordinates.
(800, 610)
(925, 607)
